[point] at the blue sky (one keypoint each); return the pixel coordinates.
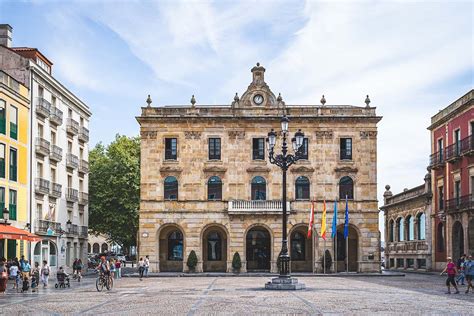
(412, 58)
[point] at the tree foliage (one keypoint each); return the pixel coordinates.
(192, 260)
(114, 190)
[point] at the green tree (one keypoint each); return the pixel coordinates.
(114, 190)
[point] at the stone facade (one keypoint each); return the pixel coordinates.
(216, 229)
(408, 227)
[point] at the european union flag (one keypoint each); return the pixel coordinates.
(346, 221)
(334, 221)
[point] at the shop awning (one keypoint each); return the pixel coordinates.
(11, 232)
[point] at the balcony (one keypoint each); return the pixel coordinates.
(463, 203)
(83, 166)
(41, 186)
(83, 198)
(56, 153)
(83, 231)
(72, 161)
(42, 146)
(72, 126)
(453, 152)
(257, 207)
(56, 190)
(83, 134)
(43, 107)
(437, 160)
(55, 116)
(42, 227)
(467, 145)
(74, 230)
(72, 195)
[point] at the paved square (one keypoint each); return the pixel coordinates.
(245, 295)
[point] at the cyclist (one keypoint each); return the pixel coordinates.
(103, 266)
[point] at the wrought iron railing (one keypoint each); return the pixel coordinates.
(72, 161)
(42, 146)
(42, 186)
(56, 153)
(453, 151)
(460, 203)
(56, 116)
(72, 195)
(437, 159)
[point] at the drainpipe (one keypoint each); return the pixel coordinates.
(31, 161)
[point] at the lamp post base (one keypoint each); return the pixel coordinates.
(285, 284)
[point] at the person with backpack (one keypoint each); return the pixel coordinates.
(460, 266)
(469, 271)
(451, 271)
(45, 271)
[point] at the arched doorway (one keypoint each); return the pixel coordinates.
(214, 249)
(258, 249)
(46, 250)
(352, 250)
(104, 248)
(470, 236)
(171, 249)
(458, 241)
(301, 250)
(95, 248)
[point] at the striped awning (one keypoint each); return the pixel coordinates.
(12, 232)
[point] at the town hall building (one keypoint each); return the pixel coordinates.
(207, 184)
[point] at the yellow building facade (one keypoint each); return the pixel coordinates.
(14, 179)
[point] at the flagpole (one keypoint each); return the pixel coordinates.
(324, 257)
(336, 252)
(347, 239)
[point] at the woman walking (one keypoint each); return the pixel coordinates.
(112, 267)
(45, 271)
(141, 268)
(450, 269)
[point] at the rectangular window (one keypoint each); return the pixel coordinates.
(40, 92)
(2, 198)
(440, 149)
(53, 100)
(39, 170)
(392, 263)
(421, 263)
(305, 149)
(13, 165)
(3, 117)
(2, 161)
(53, 175)
(457, 141)
(346, 149)
(400, 263)
(258, 149)
(40, 130)
(12, 205)
(171, 149)
(69, 147)
(410, 263)
(39, 211)
(457, 192)
(53, 138)
(13, 122)
(441, 198)
(214, 148)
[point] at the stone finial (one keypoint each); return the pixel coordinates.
(236, 98)
(258, 64)
(387, 194)
(367, 100)
(148, 101)
(193, 100)
(387, 187)
(279, 98)
(323, 100)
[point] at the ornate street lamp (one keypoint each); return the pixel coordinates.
(6, 216)
(284, 161)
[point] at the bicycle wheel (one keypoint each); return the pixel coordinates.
(110, 283)
(99, 284)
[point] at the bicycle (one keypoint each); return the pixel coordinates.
(104, 280)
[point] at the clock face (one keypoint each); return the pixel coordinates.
(258, 99)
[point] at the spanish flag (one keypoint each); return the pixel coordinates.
(323, 222)
(311, 220)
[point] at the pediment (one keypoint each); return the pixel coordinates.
(214, 169)
(302, 169)
(258, 169)
(170, 170)
(346, 169)
(258, 87)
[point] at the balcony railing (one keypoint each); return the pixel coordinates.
(42, 146)
(83, 134)
(72, 126)
(42, 186)
(83, 231)
(464, 202)
(257, 207)
(72, 195)
(43, 107)
(83, 198)
(43, 225)
(83, 166)
(74, 230)
(72, 161)
(56, 153)
(56, 190)
(453, 152)
(467, 145)
(56, 116)
(436, 160)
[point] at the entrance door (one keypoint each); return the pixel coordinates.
(458, 241)
(258, 249)
(352, 250)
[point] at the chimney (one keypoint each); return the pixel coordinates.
(6, 35)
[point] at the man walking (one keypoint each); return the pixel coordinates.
(469, 272)
(451, 271)
(460, 266)
(147, 266)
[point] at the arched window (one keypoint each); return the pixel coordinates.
(302, 188)
(259, 188)
(175, 246)
(401, 229)
(440, 237)
(421, 226)
(298, 247)
(171, 188)
(95, 248)
(391, 231)
(411, 228)
(214, 247)
(214, 188)
(45, 250)
(346, 188)
(105, 247)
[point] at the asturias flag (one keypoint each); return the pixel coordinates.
(323, 222)
(311, 220)
(346, 221)
(334, 221)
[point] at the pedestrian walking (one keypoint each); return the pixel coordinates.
(112, 267)
(469, 271)
(25, 269)
(451, 271)
(45, 272)
(35, 276)
(460, 266)
(147, 266)
(14, 275)
(3, 275)
(118, 268)
(141, 268)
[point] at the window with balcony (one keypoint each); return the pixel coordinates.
(214, 188)
(13, 164)
(39, 170)
(40, 130)
(258, 149)
(69, 147)
(346, 188)
(305, 149)
(2, 160)
(171, 149)
(441, 197)
(346, 149)
(12, 204)
(440, 150)
(302, 188)
(259, 188)
(171, 188)
(53, 138)
(3, 117)
(457, 141)
(53, 175)
(457, 192)
(421, 226)
(13, 122)
(214, 148)
(39, 211)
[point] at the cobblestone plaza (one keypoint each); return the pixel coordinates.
(414, 293)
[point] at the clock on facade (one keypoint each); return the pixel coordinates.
(258, 99)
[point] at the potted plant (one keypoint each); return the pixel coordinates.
(192, 261)
(236, 263)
